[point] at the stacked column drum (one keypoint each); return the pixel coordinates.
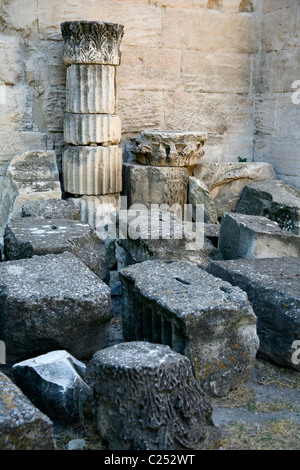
(92, 163)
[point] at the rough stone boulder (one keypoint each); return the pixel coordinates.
(146, 398)
(52, 302)
(225, 181)
(252, 236)
(53, 383)
(198, 194)
(273, 199)
(26, 237)
(22, 425)
(169, 148)
(51, 209)
(208, 320)
(31, 176)
(159, 234)
(273, 288)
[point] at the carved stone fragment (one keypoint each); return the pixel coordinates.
(92, 42)
(169, 148)
(211, 322)
(146, 184)
(92, 171)
(146, 398)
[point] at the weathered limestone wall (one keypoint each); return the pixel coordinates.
(277, 103)
(186, 65)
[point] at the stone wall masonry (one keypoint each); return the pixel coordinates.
(182, 61)
(277, 108)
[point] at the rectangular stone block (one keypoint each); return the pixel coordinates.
(52, 302)
(92, 171)
(86, 129)
(251, 236)
(276, 200)
(273, 288)
(178, 304)
(90, 89)
(148, 185)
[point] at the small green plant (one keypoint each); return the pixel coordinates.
(242, 159)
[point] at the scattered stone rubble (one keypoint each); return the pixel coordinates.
(197, 300)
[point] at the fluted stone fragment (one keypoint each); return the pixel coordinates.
(90, 89)
(92, 42)
(85, 129)
(92, 170)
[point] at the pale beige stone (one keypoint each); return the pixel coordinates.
(90, 89)
(31, 176)
(92, 42)
(92, 170)
(225, 181)
(85, 129)
(170, 148)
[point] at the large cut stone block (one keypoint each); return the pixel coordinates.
(146, 398)
(145, 184)
(273, 288)
(208, 320)
(156, 234)
(52, 302)
(92, 42)
(92, 171)
(27, 237)
(90, 89)
(169, 148)
(225, 181)
(86, 129)
(51, 209)
(251, 236)
(22, 425)
(273, 199)
(31, 176)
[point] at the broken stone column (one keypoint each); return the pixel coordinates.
(159, 174)
(92, 164)
(211, 322)
(146, 398)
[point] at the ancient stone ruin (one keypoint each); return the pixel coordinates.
(140, 279)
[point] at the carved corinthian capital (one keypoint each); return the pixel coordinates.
(92, 42)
